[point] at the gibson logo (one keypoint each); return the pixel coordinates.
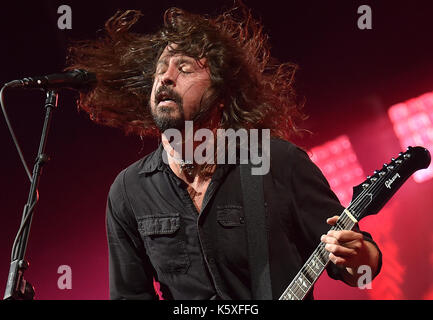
(389, 182)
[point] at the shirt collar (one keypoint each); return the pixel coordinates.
(153, 161)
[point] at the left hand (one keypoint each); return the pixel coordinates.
(346, 248)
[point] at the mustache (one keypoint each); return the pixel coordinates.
(165, 92)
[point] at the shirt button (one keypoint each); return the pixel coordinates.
(241, 220)
(211, 260)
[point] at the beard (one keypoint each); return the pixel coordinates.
(164, 118)
(168, 117)
(173, 117)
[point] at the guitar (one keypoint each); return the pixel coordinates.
(368, 198)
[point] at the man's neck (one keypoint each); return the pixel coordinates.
(182, 163)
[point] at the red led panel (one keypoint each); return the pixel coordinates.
(413, 124)
(339, 164)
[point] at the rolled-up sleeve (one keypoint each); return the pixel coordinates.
(130, 271)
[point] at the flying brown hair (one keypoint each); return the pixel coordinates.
(256, 91)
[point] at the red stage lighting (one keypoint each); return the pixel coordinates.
(339, 164)
(413, 124)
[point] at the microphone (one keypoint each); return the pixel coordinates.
(74, 79)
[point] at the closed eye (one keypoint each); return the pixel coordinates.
(161, 68)
(186, 68)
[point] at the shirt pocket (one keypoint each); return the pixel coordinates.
(165, 242)
(230, 216)
(231, 237)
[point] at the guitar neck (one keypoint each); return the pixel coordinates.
(316, 263)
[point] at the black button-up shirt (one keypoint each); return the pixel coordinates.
(155, 231)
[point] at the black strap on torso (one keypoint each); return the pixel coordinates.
(257, 233)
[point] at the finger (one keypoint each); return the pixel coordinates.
(339, 261)
(328, 239)
(356, 244)
(345, 235)
(340, 251)
(331, 221)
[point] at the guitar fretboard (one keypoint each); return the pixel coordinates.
(316, 264)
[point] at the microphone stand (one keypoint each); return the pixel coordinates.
(17, 288)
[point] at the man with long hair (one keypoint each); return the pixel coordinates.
(179, 222)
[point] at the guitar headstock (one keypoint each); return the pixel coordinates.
(376, 190)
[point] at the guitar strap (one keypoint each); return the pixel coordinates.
(257, 233)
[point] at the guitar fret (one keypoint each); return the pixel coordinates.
(348, 225)
(291, 293)
(303, 281)
(338, 225)
(318, 260)
(291, 297)
(296, 287)
(307, 275)
(323, 255)
(314, 264)
(314, 273)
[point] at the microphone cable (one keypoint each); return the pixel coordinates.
(11, 130)
(26, 219)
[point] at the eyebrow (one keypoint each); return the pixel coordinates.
(179, 61)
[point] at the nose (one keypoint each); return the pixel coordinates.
(170, 75)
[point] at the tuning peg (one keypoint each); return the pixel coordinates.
(382, 173)
(365, 185)
(390, 168)
(406, 156)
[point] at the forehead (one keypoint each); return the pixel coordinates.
(169, 53)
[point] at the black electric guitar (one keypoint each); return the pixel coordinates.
(368, 198)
